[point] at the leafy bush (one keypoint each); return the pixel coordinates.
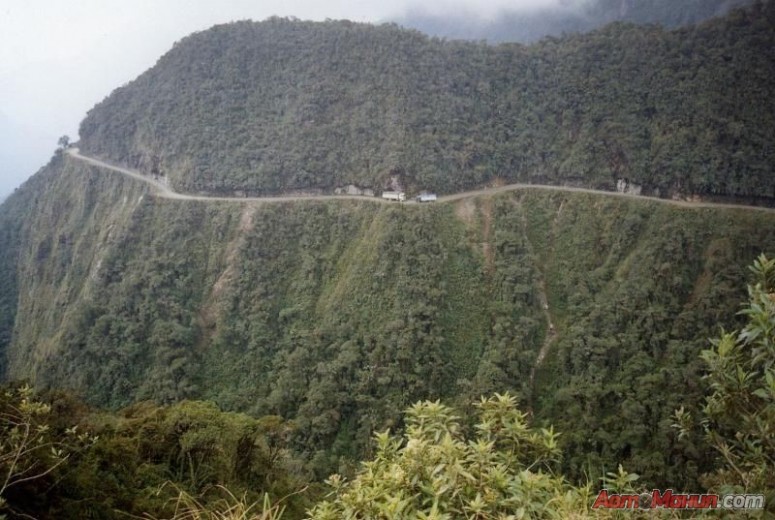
(30, 451)
(503, 470)
(738, 418)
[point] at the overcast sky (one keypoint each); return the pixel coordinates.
(58, 57)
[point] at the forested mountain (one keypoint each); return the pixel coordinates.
(328, 318)
(530, 24)
(281, 105)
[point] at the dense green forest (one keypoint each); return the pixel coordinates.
(81, 462)
(338, 315)
(283, 104)
(192, 461)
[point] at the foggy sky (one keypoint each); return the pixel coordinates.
(59, 58)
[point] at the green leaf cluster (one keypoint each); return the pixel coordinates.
(59, 459)
(501, 470)
(739, 414)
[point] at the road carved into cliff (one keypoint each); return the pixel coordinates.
(164, 191)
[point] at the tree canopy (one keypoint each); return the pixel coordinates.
(286, 105)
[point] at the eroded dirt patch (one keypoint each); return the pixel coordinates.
(245, 226)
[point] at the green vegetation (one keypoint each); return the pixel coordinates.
(739, 414)
(230, 508)
(58, 459)
(65, 461)
(265, 343)
(29, 450)
(282, 104)
(339, 315)
(510, 469)
(437, 472)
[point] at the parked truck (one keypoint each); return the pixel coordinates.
(426, 197)
(399, 196)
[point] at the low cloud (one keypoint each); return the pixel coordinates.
(488, 11)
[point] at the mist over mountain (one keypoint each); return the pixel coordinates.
(531, 23)
(21, 149)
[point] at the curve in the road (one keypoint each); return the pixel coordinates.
(164, 191)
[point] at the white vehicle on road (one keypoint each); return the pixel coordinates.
(399, 196)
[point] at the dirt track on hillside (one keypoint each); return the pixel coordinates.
(164, 191)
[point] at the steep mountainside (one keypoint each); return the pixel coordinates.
(283, 105)
(339, 314)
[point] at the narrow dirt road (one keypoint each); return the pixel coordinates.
(164, 191)
(681, 203)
